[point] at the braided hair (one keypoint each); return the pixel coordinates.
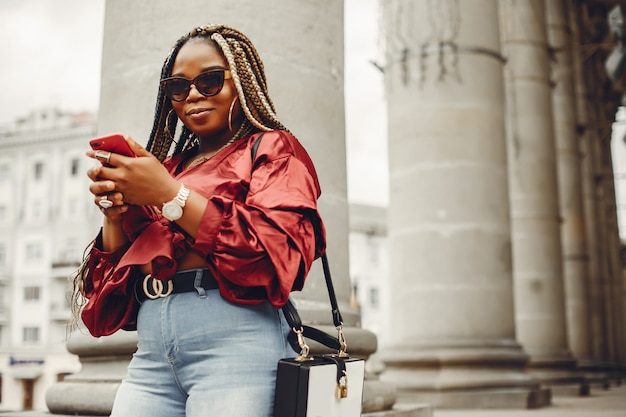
(248, 75)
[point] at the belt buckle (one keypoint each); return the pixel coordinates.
(157, 288)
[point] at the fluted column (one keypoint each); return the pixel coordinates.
(534, 193)
(575, 266)
(304, 68)
(453, 334)
(540, 298)
(617, 283)
(601, 291)
(607, 292)
(593, 185)
(578, 306)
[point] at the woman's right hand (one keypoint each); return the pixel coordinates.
(103, 190)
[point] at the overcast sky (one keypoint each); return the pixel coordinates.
(51, 53)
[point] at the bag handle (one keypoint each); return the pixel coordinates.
(296, 338)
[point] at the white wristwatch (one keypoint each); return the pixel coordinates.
(173, 210)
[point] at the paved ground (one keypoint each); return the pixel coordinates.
(601, 403)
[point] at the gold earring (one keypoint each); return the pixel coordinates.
(230, 114)
(169, 134)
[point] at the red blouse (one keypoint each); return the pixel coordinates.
(259, 234)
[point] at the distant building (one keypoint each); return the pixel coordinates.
(369, 267)
(46, 219)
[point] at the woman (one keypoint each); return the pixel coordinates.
(200, 251)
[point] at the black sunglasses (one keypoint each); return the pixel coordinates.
(208, 83)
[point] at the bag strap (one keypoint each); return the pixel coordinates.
(255, 146)
(291, 313)
(294, 321)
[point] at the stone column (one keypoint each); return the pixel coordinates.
(617, 283)
(602, 301)
(453, 334)
(585, 318)
(305, 76)
(540, 303)
(606, 310)
(535, 223)
(597, 129)
(573, 236)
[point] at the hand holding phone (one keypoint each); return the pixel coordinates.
(115, 143)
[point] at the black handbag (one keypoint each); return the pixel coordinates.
(329, 385)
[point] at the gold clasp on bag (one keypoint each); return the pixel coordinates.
(304, 348)
(342, 387)
(343, 346)
(157, 288)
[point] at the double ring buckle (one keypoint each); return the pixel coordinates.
(157, 288)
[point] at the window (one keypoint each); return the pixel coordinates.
(30, 335)
(33, 252)
(4, 172)
(38, 170)
(373, 250)
(37, 210)
(3, 257)
(71, 252)
(73, 205)
(374, 297)
(74, 167)
(3, 306)
(31, 293)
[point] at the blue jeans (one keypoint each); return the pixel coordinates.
(203, 357)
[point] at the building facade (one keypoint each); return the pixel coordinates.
(369, 268)
(46, 219)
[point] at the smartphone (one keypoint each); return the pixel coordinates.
(115, 143)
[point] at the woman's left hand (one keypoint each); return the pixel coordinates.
(142, 180)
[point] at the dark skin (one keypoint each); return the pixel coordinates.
(144, 180)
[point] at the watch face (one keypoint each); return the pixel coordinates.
(172, 211)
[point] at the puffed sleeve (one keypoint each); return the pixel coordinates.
(111, 302)
(262, 246)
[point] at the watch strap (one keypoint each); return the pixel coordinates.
(182, 196)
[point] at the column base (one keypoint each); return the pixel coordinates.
(469, 374)
(560, 374)
(104, 362)
(512, 399)
(81, 398)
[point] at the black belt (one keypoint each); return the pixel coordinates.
(184, 281)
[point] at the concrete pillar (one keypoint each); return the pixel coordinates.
(602, 302)
(453, 334)
(570, 286)
(596, 233)
(612, 288)
(535, 223)
(617, 283)
(607, 291)
(575, 264)
(606, 302)
(304, 68)
(585, 318)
